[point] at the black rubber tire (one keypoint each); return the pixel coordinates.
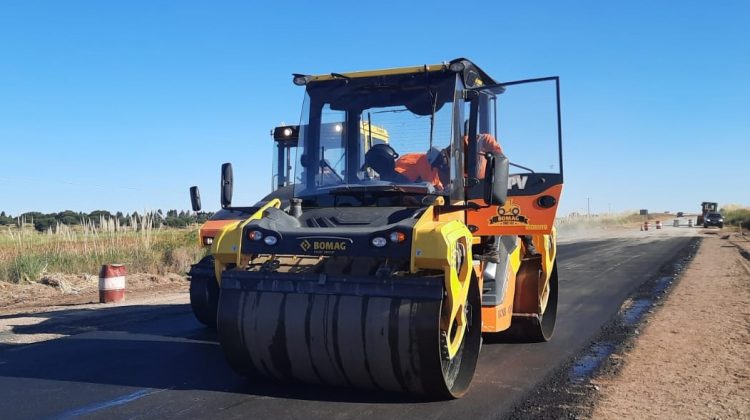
(204, 292)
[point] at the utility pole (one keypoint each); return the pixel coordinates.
(609, 208)
(588, 206)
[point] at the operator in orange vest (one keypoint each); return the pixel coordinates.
(434, 167)
(423, 167)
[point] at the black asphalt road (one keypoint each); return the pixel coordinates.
(158, 362)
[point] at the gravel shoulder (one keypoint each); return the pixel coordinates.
(692, 357)
(68, 290)
(68, 300)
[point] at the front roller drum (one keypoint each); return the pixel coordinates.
(370, 341)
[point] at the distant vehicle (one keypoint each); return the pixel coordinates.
(713, 219)
(706, 207)
(680, 214)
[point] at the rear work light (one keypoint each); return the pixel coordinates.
(397, 237)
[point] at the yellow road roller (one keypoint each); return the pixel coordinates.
(389, 260)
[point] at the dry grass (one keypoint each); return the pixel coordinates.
(26, 255)
(736, 215)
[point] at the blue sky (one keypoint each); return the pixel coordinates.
(122, 105)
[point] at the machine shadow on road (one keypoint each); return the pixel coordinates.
(129, 319)
(157, 346)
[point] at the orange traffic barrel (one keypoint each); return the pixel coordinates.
(645, 225)
(658, 224)
(112, 283)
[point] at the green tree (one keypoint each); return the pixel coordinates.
(68, 217)
(41, 224)
(5, 219)
(94, 215)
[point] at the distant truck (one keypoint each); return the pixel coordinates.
(706, 207)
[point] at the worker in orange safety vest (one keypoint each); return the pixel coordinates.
(434, 167)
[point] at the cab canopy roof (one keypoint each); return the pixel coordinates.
(471, 74)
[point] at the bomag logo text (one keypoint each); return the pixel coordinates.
(319, 247)
(329, 246)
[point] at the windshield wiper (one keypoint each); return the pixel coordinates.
(348, 188)
(324, 164)
(420, 189)
(521, 167)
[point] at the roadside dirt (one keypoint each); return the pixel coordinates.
(57, 289)
(692, 358)
(26, 306)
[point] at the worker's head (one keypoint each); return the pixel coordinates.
(440, 160)
(382, 159)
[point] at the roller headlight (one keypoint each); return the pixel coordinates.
(254, 235)
(270, 240)
(379, 242)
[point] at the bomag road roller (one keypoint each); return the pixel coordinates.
(204, 286)
(386, 265)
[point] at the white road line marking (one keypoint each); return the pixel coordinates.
(82, 411)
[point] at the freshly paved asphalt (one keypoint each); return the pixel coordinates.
(158, 362)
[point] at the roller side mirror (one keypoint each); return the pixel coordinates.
(496, 190)
(195, 198)
(226, 185)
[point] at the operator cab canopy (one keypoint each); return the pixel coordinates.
(418, 108)
(417, 111)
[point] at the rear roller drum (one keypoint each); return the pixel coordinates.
(204, 291)
(539, 328)
(373, 342)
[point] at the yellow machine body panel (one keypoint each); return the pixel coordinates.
(383, 72)
(226, 246)
(211, 228)
(446, 245)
